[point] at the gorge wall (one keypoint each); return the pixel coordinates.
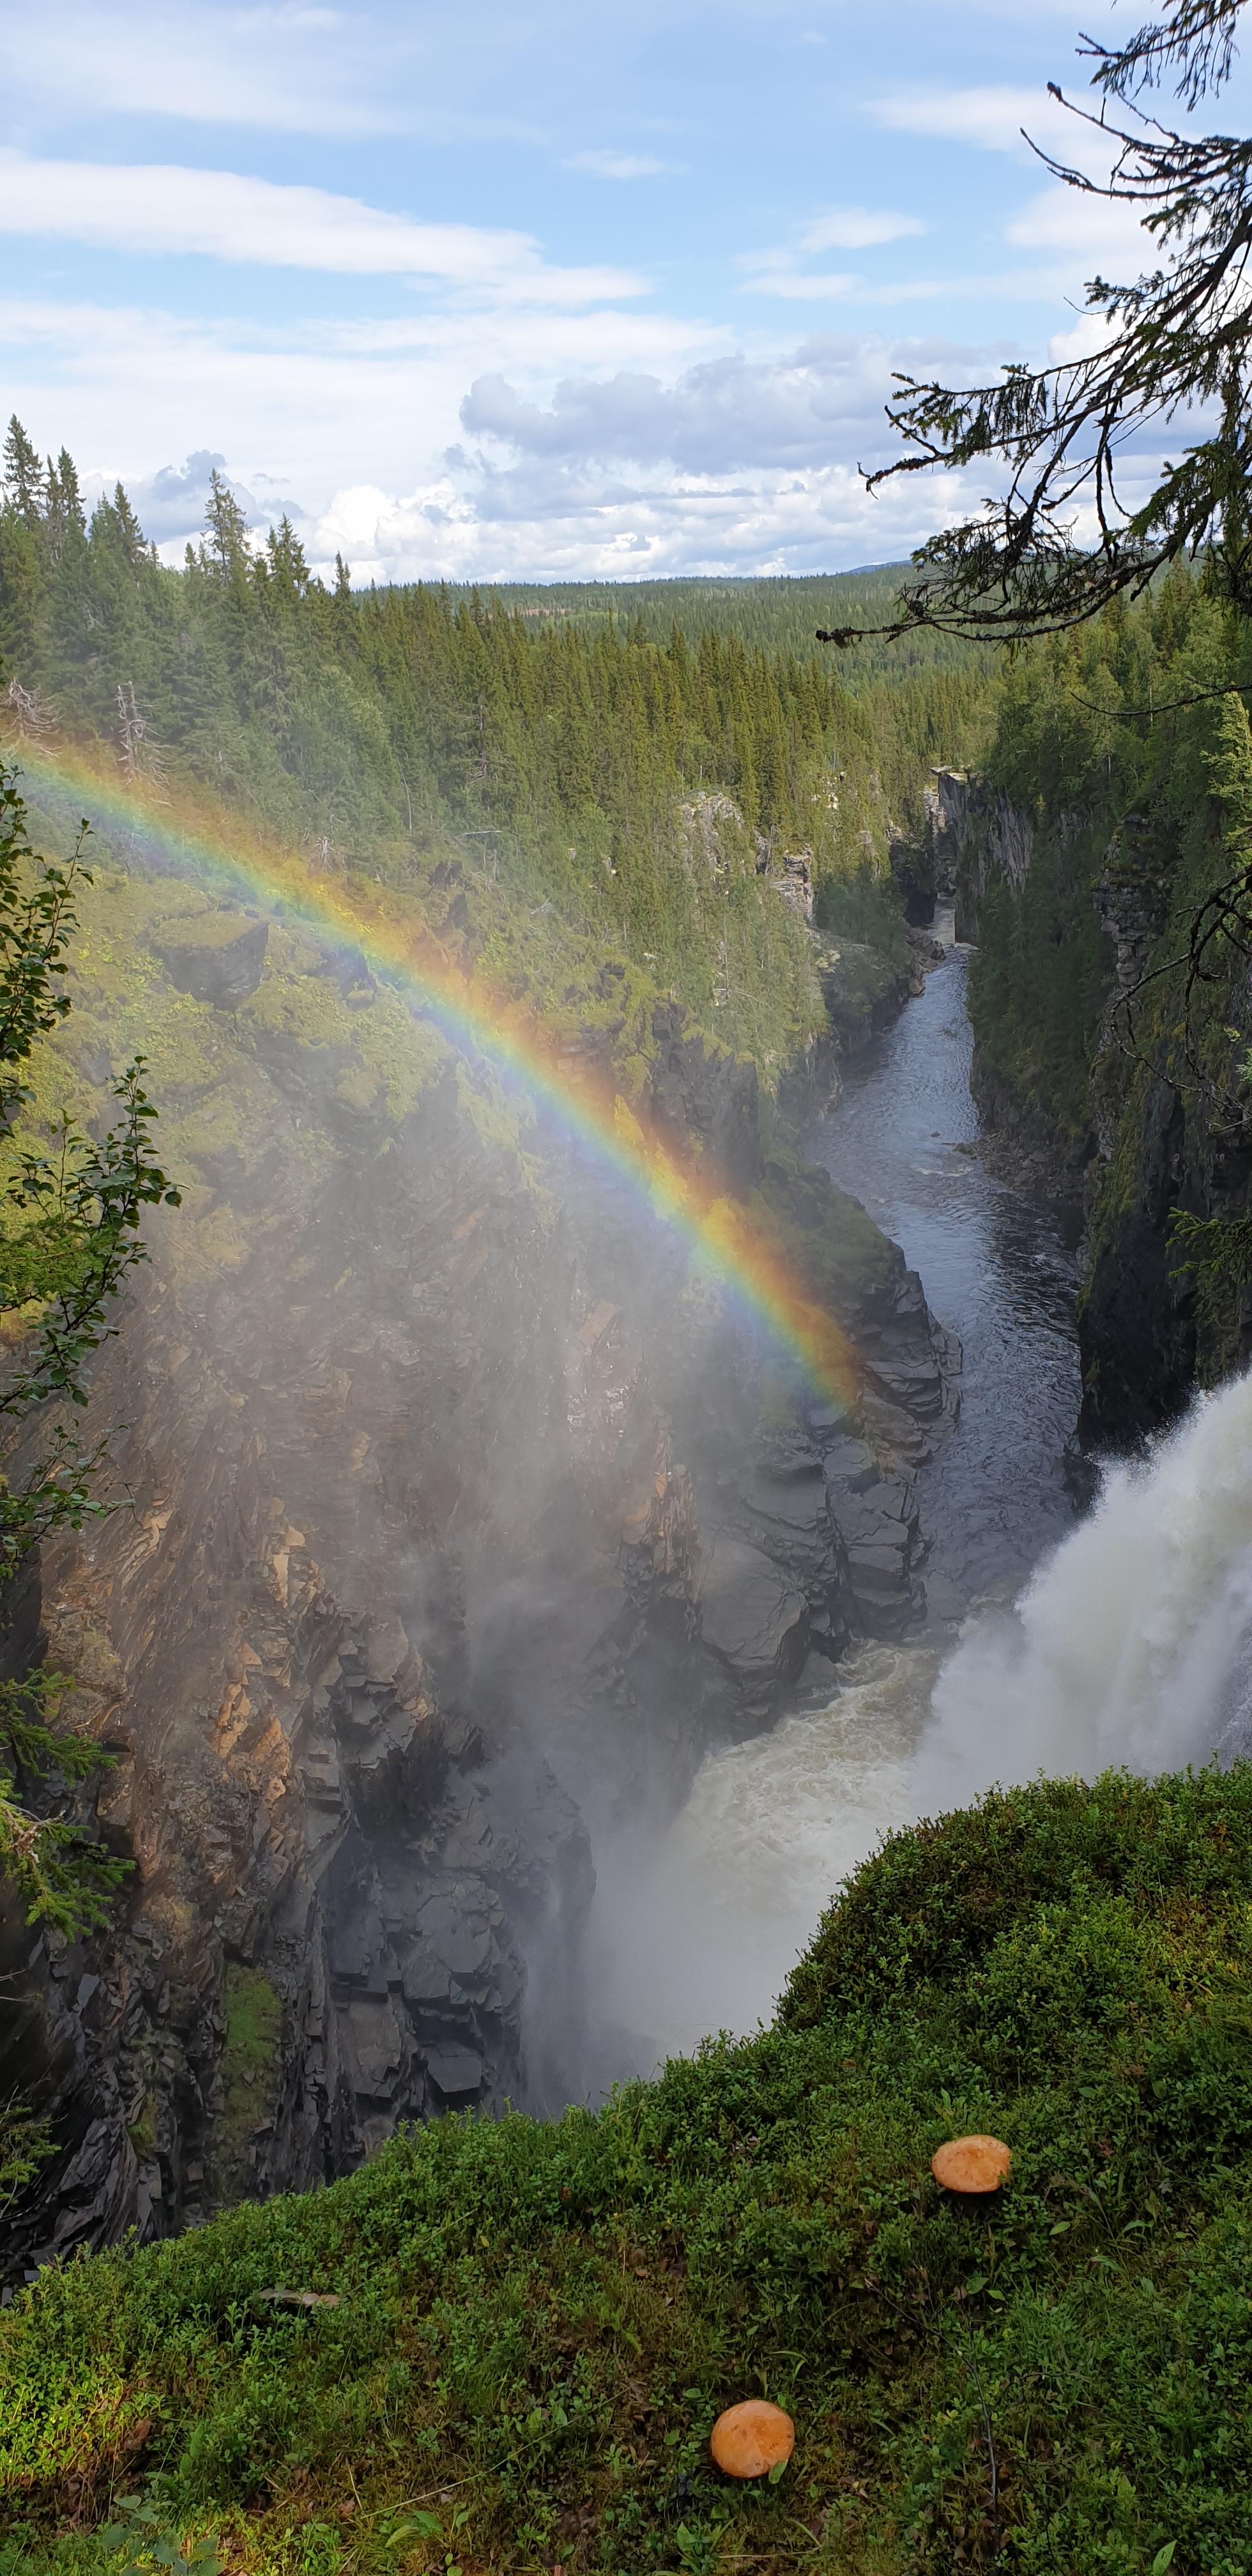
(457, 1522)
(1088, 1081)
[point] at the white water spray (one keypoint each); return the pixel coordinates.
(1132, 1646)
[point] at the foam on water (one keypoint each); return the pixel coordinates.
(700, 1931)
(1131, 1646)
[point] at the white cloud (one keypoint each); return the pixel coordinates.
(170, 503)
(992, 117)
(125, 388)
(1101, 233)
(221, 215)
(617, 165)
(854, 228)
(554, 525)
(1085, 339)
(284, 68)
(725, 415)
(599, 442)
(780, 270)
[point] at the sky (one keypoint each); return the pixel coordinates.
(534, 289)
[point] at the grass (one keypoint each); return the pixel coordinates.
(538, 2324)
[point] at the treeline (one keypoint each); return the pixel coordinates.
(776, 612)
(647, 785)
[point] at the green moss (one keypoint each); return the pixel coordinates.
(142, 2132)
(247, 2073)
(206, 930)
(825, 1235)
(537, 2324)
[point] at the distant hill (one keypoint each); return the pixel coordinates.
(777, 613)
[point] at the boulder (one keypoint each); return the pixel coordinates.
(455, 2074)
(751, 1617)
(878, 1524)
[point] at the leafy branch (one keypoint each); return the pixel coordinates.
(70, 1218)
(61, 1875)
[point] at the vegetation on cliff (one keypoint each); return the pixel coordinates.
(520, 2334)
(1126, 750)
(70, 1210)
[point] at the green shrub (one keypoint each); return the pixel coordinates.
(537, 2324)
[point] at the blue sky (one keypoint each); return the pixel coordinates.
(532, 288)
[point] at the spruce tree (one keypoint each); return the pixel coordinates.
(23, 476)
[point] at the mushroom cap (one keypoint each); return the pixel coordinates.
(972, 2164)
(751, 2439)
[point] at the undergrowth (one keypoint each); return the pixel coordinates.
(537, 2324)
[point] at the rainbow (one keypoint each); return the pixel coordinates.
(719, 1233)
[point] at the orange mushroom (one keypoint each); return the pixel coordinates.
(974, 2165)
(751, 2439)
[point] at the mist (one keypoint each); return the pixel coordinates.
(1130, 1648)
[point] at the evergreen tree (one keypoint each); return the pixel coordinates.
(225, 528)
(1175, 341)
(23, 476)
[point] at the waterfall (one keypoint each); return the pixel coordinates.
(1131, 1645)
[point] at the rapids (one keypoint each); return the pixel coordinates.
(1050, 1647)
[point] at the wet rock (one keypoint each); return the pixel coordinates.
(458, 1931)
(790, 1521)
(377, 2046)
(216, 956)
(751, 1618)
(879, 1530)
(386, 1648)
(785, 1454)
(456, 2076)
(851, 1463)
(426, 1979)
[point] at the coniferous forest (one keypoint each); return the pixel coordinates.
(644, 769)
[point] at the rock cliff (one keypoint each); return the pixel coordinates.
(1087, 1083)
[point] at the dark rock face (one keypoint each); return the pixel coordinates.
(977, 837)
(219, 959)
(700, 1097)
(751, 1618)
(1151, 1147)
(915, 867)
(864, 991)
(1138, 1325)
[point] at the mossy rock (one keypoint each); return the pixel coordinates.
(216, 956)
(248, 2073)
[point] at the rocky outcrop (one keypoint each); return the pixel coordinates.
(1164, 1146)
(1145, 1133)
(702, 1097)
(218, 957)
(977, 836)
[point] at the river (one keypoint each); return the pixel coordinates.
(700, 1933)
(998, 1268)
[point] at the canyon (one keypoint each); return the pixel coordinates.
(456, 1527)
